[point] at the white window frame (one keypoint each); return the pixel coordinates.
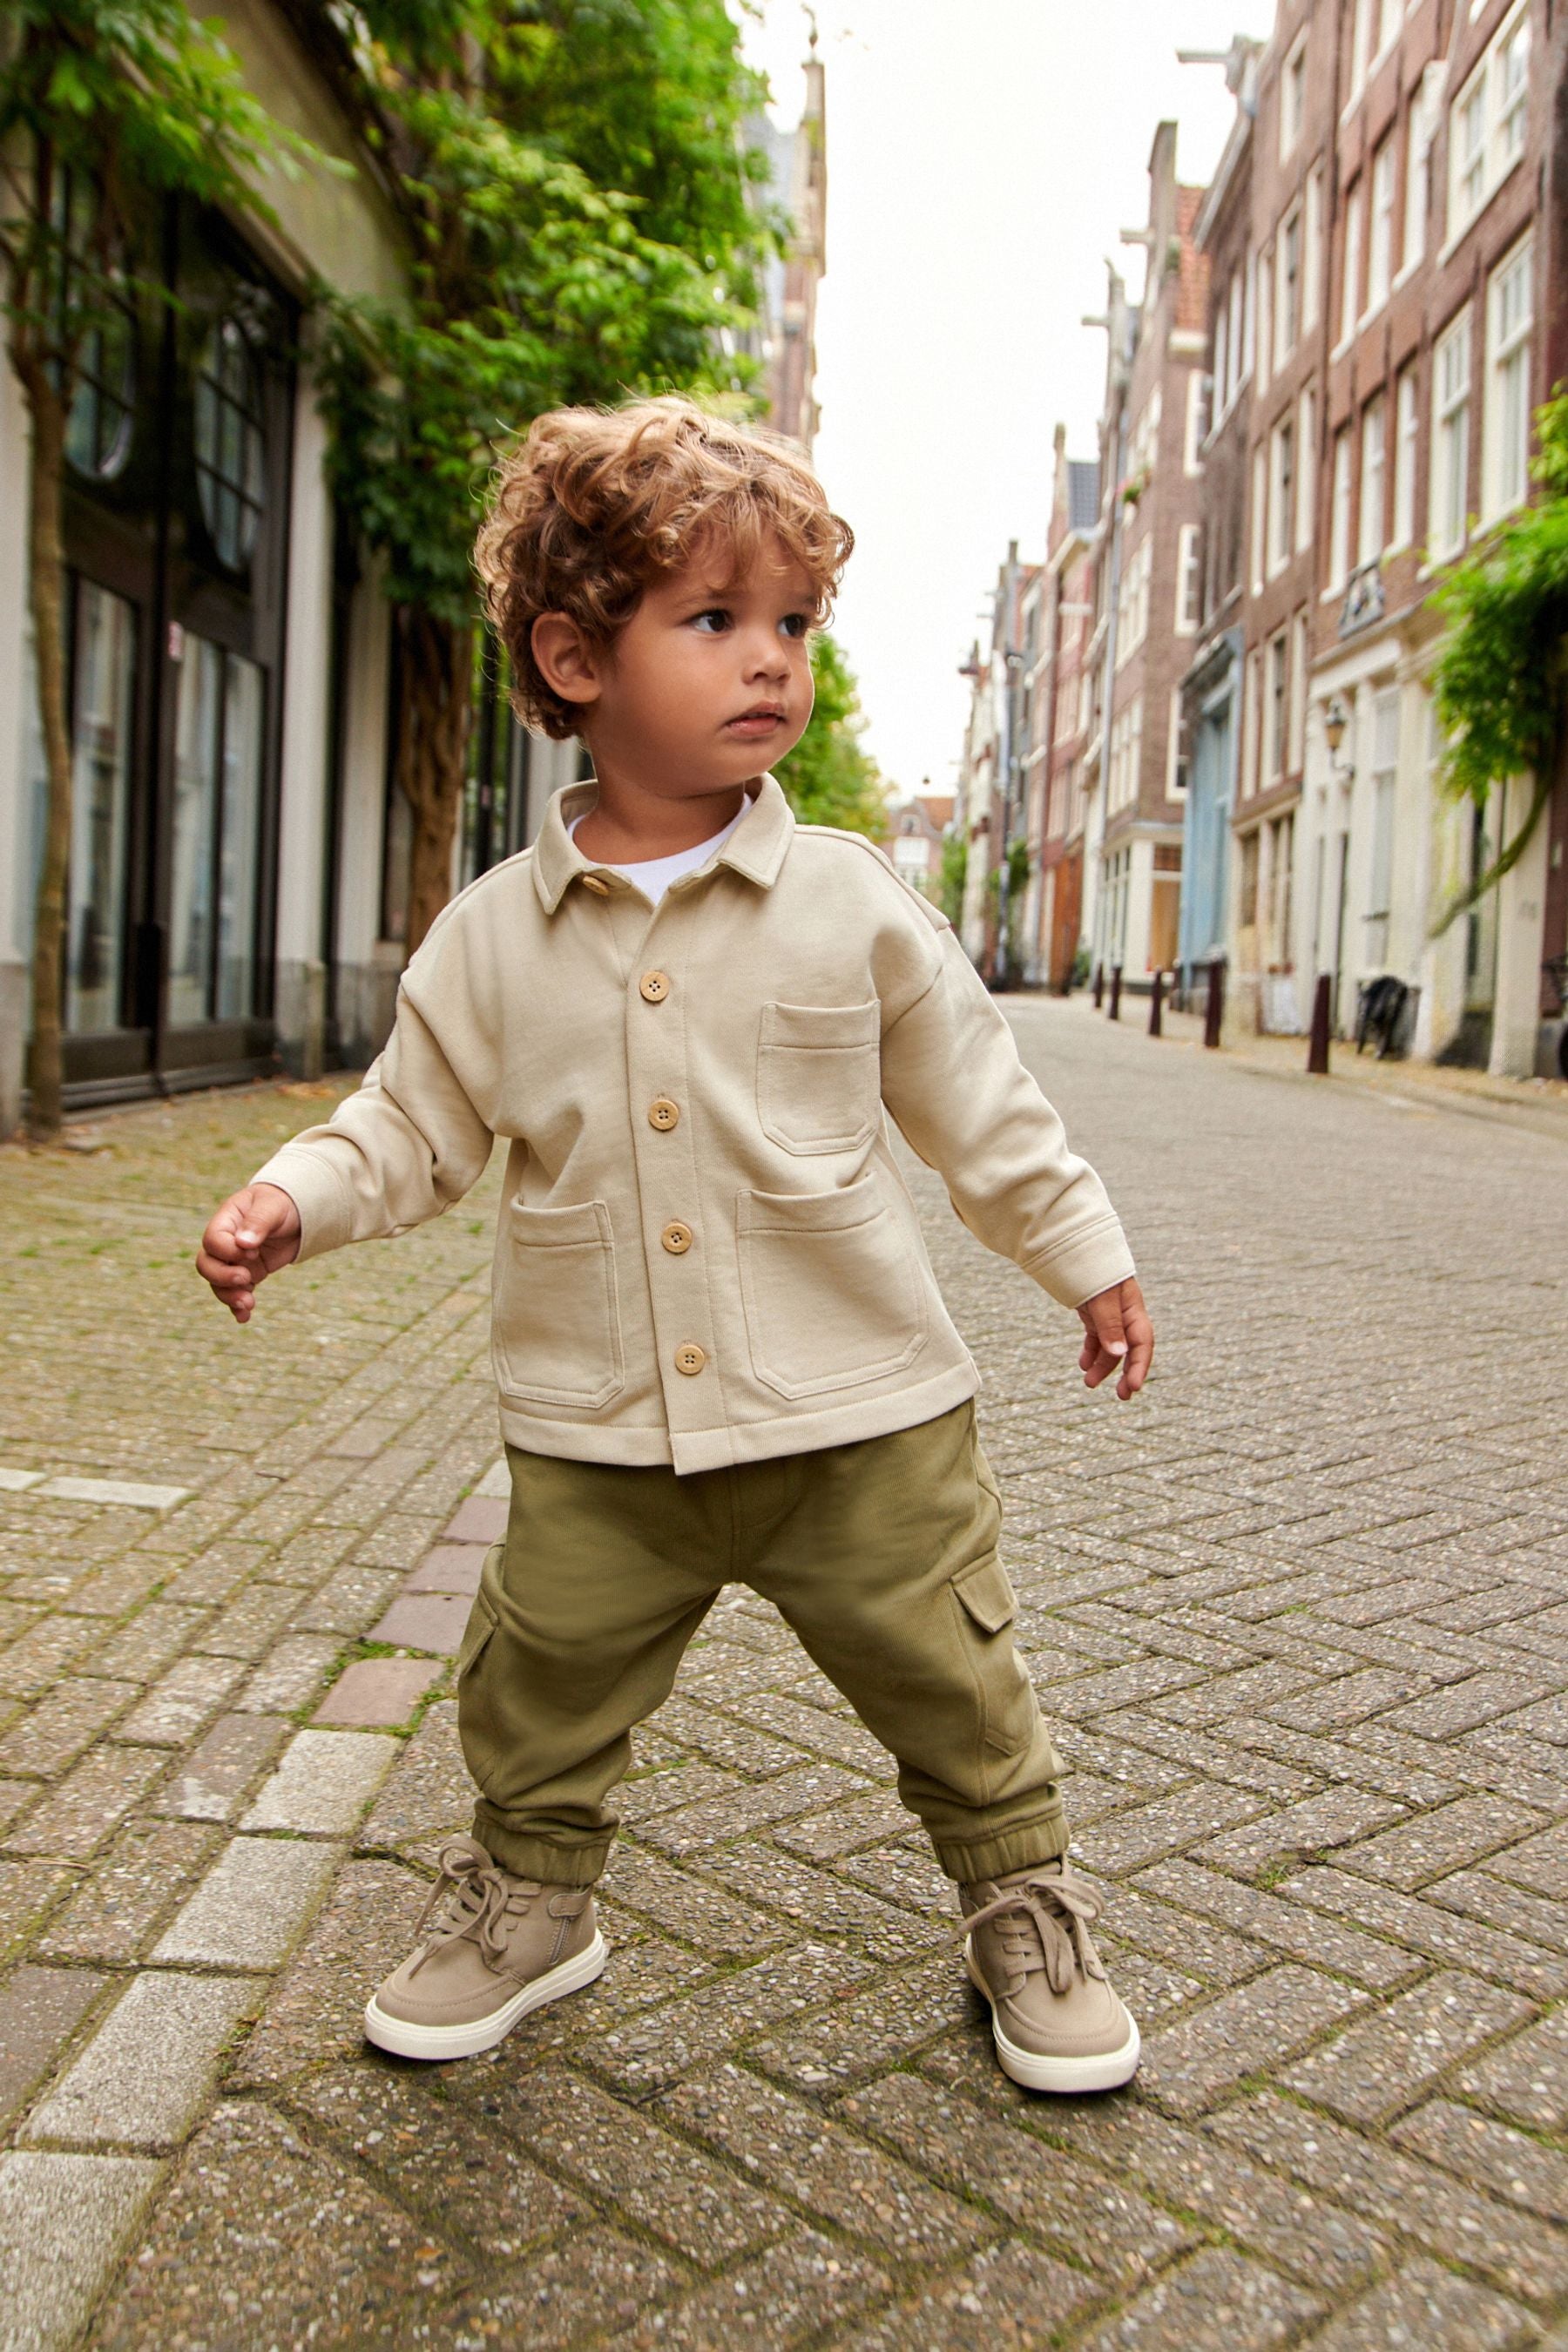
(1263, 340)
(1293, 97)
(1189, 579)
(1306, 466)
(1487, 123)
(1237, 334)
(1340, 513)
(1505, 436)
(1296, 722)
(1281, 492)
(1174, 788)
(1452, 377)
(1260, 515)
(1250, 717)
(1277, 702)
(1380, 230)
(1406, 433)
(1287, 311)
(1350, 285)
(1418, 130)
(1313, 250)
(1370, 541)
(1194, 429)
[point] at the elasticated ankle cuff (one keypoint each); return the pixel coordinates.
(536, 1857)
(1039, 1841)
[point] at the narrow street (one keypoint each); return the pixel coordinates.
(1300, 1614)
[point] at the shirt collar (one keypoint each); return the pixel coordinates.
(756, 848)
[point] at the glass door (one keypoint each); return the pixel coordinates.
(218, 746)
(105, 670)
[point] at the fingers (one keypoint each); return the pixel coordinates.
(251, 1235)
(1117, 1338)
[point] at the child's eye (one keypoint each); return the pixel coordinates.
(796, 625)
(717, 616)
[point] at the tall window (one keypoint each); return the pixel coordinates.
(1312, 250)
(1373, 478)
(1279, 714)
(1451, 438)
(1362, 42)
(1288, 289)
(230, 444)
(1251, 715)
(1487, 121)
(1219, 357)
(1380, 244)
(1237, 335)
(1306, 468)
(1259, 514)
(1265, 301)
(1350, 288)
(1509, 316)
(1197, 425)
(1293, 99)
(1340, 527)
(1281, 494)
(1188, 580)
(1406, 426)
(1417, 178)
(1296, 738)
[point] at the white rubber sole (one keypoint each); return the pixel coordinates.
(437, 2041)
(1107, 2070)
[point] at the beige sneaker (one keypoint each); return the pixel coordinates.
(497, 1947)
(1057, 2024)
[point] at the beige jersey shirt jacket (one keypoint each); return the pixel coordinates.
(706, 1252)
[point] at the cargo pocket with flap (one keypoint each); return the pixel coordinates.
(986, 1610)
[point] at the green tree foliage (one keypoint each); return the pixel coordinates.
(1500, 677)
(106, 106)
(830, 778)
(577, 190)
(952, 878)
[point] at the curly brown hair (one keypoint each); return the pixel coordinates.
(592, 504)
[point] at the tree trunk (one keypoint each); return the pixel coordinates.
(47, 597)
(435, 695)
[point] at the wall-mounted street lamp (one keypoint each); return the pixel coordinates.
(1336, 719)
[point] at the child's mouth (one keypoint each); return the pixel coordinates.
(752, 723)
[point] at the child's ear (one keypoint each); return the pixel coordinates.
(567, 663)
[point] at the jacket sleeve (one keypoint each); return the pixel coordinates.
(952, 1081)
(402, 1149)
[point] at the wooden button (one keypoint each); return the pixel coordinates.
(691, 1359)
(663, 1114)
(677, 1238)
(655, 986)
(596, 883)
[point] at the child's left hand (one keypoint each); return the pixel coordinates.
(1118, 1335)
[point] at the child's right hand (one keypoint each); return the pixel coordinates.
(254, 1234)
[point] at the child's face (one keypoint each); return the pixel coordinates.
(710, 681)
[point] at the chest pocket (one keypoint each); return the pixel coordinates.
(819, 1076)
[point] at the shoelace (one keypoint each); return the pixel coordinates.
(1043, 1923)
(473, 1900)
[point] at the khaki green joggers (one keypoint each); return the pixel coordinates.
(880, 1554)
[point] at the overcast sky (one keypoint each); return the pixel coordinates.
(983, 156)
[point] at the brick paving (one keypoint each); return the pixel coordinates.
(1300, 1617)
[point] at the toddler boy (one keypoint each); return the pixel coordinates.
(721, 1350)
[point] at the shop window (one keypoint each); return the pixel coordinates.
(230, 444)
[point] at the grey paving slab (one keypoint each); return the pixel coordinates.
(323, 1783)
(64, 2223)
(146, 2076)
(253, 1904)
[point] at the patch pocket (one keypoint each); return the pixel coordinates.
(556, 1325)
(989, 1610)
(482, 1622)
(830, 1287)
(819, 1076)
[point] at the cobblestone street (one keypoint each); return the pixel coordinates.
(1300, 1615)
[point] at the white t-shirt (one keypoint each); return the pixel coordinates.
(653, 876)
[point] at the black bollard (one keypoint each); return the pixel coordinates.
(1156, 1004)
(1318, 1045)
(1099, 986)
(1116, 992)
(1214, 1009)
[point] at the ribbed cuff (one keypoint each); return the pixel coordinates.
(537, 1857)
(1015, 1849)
(1081, 1268)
